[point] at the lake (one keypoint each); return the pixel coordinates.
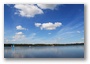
(76, 51)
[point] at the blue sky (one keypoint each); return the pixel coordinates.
(43, 23)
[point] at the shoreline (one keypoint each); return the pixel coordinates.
(11, 45)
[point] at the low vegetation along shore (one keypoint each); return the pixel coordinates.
(43, 44)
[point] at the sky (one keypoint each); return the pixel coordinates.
(43, 23)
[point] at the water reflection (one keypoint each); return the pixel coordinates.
(44, 52)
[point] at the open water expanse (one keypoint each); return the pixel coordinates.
(76, 51)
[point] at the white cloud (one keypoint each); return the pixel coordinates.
(27, 10)
(37, 24)
(49, 25)
(18, 35)
(6, 40)
(47, 6)
(19, 27)
(49, 33)
(78, 32)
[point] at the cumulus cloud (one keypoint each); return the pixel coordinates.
(18, 35)
(37, 24)
(27, 10)
(47, 6)
(19, 27)
(49, 25)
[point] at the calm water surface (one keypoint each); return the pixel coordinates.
(45, 52)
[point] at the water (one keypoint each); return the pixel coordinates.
(45, 52)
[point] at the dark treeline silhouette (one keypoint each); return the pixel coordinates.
(43, 44)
